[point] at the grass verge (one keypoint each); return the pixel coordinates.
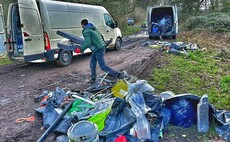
(198, 73)
(5, 61)
(129, 30)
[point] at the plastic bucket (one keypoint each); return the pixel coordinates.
(119, 89)
(83, 131)
(154, 29)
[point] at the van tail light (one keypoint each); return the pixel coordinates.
(47, 41)
(25, 34)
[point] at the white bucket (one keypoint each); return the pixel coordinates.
(83, 131)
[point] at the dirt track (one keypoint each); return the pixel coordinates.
(21, 82)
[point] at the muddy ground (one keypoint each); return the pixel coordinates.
(21, 82)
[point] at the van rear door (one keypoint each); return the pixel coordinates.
(148, 17)
(175, 13)
(2, 33)
(32, 30)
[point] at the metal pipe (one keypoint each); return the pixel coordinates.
(50, 129)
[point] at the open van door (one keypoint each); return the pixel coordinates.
(2, 33)
(32, 30)
(175, 13)
(148, 17)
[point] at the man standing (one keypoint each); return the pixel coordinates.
(94, 38)
(162, 25)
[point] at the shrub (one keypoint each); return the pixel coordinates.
(216, 22)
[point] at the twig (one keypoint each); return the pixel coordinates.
(99, 92)
(72, 75)
(50, 84)
(104, 77)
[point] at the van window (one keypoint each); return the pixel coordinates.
(31, 19)
(108, 20)
(96, 19)
(59, 19)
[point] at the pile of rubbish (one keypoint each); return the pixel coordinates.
(124, 110)
(176, 48)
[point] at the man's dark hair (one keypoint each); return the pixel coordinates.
(84, 22)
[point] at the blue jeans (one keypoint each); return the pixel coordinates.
(98, 57)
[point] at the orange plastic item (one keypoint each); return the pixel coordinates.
(44, 99)
(29, 119)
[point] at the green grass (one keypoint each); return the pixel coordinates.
(191, 133)
(129, 30)
(5, 61)
(198, 73)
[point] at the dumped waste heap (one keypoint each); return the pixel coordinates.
(124, 110)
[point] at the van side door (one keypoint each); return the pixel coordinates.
(2, 33)
(32, 29)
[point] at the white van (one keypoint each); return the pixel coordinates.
(155, 14)
(32, 26)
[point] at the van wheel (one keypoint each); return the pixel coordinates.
(64, 58)
(118, 44)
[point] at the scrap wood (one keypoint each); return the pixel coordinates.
(100, 92)
(104, 77)
(108, 95)
(75, 95)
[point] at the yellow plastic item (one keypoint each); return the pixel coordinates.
(119, 89)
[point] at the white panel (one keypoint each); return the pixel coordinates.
(59, 19)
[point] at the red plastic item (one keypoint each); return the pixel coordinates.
(77, 50)
(121, 138)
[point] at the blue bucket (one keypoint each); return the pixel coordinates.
(154, 29)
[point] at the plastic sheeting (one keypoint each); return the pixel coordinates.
(183, 112)
(119, 121)
(220, 116)
(138, 106)
(153, 101)
(57, 97)
(224, 132)
(50, 115)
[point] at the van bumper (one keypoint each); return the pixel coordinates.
(158, 34)
(46, 56)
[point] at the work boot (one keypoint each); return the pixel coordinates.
(92, 81)
(93, 84)
(121, 75)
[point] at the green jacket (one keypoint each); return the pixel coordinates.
(92, 38)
